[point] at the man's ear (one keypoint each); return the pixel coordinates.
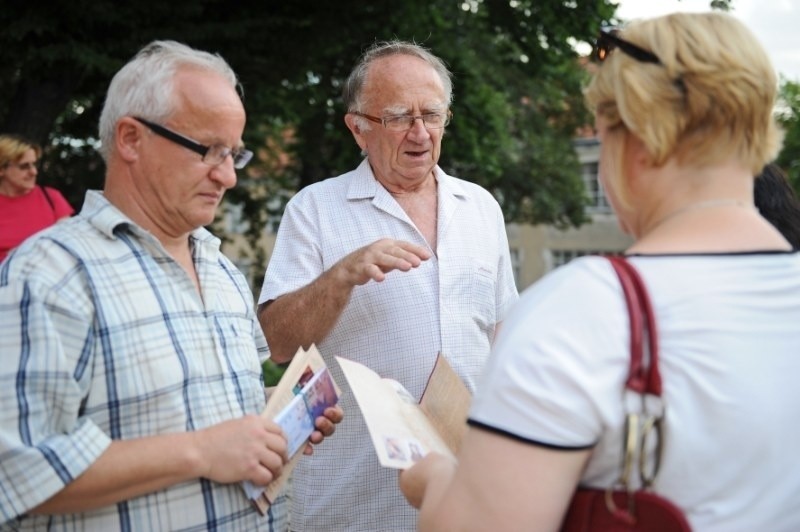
(128, 138)
(352, 123)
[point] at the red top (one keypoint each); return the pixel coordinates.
(22, 216)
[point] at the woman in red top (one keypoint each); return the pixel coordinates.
(25, 208)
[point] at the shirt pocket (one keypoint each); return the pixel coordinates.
(240, 361)
(483, 294)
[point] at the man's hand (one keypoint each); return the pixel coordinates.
(325, 425)
(307, 315)
(374, 261)
(250, 448)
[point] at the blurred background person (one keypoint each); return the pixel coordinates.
(25, 207)
(776, 200)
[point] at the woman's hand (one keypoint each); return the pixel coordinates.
(414, 480)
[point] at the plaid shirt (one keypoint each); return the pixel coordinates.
(104, 337)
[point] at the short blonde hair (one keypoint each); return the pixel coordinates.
(713, 95)
(13, 147)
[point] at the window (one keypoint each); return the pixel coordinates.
(560, 257)
(597, 198)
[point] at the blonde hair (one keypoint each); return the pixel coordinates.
(13, 147)
(711, 97)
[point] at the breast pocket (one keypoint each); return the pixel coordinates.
(240, 356)
(483, 294)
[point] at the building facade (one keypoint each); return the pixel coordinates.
(537, 249)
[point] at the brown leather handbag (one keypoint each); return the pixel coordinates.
(619, 508)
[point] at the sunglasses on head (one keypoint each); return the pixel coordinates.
(610, 39)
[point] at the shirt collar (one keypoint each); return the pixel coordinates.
(108, 219)
(364, 184)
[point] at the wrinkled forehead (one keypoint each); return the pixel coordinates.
(402, 83)
(201, 88)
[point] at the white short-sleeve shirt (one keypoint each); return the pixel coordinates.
(729, 330)
(451, 303)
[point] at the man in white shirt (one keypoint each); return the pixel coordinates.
(388, 264)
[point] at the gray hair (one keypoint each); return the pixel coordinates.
(354, 86)
(145, 85)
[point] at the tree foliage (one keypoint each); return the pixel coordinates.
(517, 86)
(789, 116)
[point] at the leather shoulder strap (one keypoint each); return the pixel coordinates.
(644, 375)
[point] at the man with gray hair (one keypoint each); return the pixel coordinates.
(131, 381)
(389, 265)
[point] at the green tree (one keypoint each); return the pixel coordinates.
(789, 117)
(517, 85)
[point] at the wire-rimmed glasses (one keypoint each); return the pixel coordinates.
(406, 122)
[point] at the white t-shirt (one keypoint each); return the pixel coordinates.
(729, 330)
(450, 303)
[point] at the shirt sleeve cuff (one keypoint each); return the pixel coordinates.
(33, 474)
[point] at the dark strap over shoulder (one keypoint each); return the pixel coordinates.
(50, 201)
(644, 376)
(48, 198)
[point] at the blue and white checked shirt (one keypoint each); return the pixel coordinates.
(103, 337)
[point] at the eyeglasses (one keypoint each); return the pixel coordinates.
(212, 155)
(406, 122)
(609, 39)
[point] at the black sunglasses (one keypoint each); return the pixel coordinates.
(609, 39)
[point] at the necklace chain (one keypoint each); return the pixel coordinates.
(708, 204)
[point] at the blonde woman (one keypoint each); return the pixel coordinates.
(25, 208)
(683, 107)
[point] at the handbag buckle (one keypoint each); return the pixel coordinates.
(644, 424)
(652, 429)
